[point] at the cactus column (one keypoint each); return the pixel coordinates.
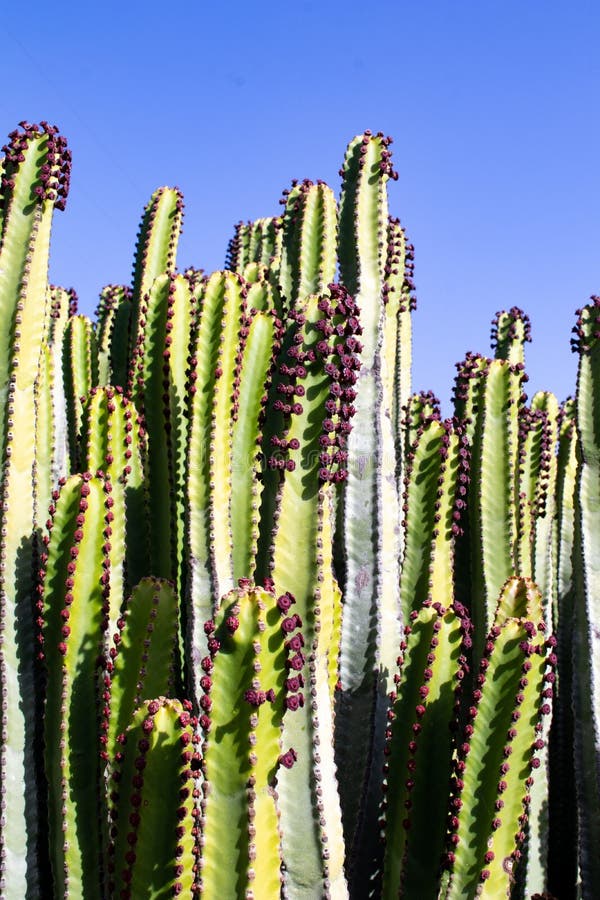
(34, 180)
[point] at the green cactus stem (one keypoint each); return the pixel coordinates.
(156, 249)
(420, 744)
(495, 762)
(563, 844)
(142, 663)
(487, 401)
(586, 629)
(254, 242)
(80, 372)
(511, 330)
(152, 805)
(252, 677)
(304, 440)
(113, 334)
(308, 253)
(113, 440)
(34, 180)
(76, 603)
(158, 387)
(230, 364)
(434, 499)
(369, 541)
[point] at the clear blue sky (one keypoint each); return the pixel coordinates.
(494, 108)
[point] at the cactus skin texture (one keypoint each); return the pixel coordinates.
(34, 180)
(268, 622)
(586, 622)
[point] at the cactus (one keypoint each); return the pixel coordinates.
(586, 630)
(286, 641)
(35, 179)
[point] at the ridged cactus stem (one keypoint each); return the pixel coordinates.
(369, 542)
(419, 749)
(251, 679)
(313, 383)
(493, 770)
(563, 842)
(35, 175)
(156, 248)
(488, 397)
(75, 603)
(586, 633)
(80, 372)
(152, 852)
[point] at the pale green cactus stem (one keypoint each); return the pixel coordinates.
(305, 438)
(35, 176)
(586, 628)
(113, 440)
(563, 843)
(78, 604)
(369, 540)
(152, 804)
(488, 396)
(497, 757)
(80, 373)
(419, 750)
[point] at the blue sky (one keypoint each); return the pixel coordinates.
(493, 106)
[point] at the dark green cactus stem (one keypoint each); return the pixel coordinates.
(511, 330)
(153, 842)
(563, 843)
(80, 373)
(305, 435)
(545, 537)
(156, 248)
(493, 771)
(142, 661)
(586, 627)
(34, 179)
(113, 440)
(487, 399)
(308, 253)
(419, 751)
(368, 537)
(76, 605)
(253, 676)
